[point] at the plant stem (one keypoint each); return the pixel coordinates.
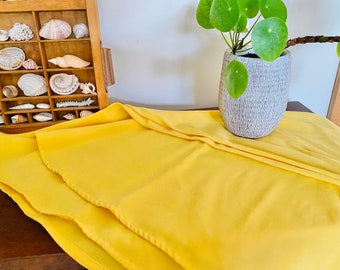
(312, 39)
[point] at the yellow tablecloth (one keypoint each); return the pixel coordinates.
(139, 188)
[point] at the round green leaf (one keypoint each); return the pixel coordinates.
(269, 38)
(241, 24)
(338, 49)
(203, 14)
(236, 78)
(224, 14)
(273, 8)
(249, 7)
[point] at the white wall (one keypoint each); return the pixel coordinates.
(162, 58)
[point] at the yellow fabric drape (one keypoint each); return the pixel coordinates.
(139, 188)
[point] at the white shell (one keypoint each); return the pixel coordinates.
(10, 91)
(26, 106)
(43, 106)
(69, 60)
(1, 120)
(42, 117)
(4, 35)
(64, 84)
(20, 32)
(74, 103)
(32, 84)
(85, 113)
(18, 118)
(87, 88)
(69, 116)
(11, 58)
(55, 29)
(80, 30)
(30, 64)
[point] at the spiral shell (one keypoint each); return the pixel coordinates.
(64, 84)
(87, 88)
(32, 84)
(69, 60)
(80, 30)
(30, 64)
(18, 119)
(55, 29)
(20, 32)
(10, 91)
(11, 58)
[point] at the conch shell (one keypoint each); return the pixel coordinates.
(80, 30)
(64, 84)
(10, 91)
(69, 60)
(30, 64)
(32, 84)
(18, 119)
(55, 29)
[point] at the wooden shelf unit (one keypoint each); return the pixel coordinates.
(35, 14)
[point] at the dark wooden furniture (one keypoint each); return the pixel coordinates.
(25, 244)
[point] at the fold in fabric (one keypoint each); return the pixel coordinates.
(138, 188)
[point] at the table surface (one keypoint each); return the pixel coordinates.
(25, 244)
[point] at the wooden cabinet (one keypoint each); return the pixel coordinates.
(35, 14)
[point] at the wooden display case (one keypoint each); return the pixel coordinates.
(35, 14)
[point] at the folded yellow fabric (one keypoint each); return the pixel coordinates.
(150, 189)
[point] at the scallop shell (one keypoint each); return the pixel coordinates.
(42, 117)
(10, 91)
(1, 120)
(30, 64)
(85, 113)
(20, 32)
(43, 106)
(69, 60)
(55, 29)
(11, 58)
(32, 84)
(69, 116)
(80, 30)
(64, 84)
(26, 106)
(18, 119)
(4, 35)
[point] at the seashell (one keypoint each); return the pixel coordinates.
(64, 84)
(1, 120)
(32, 84)
(18, 119)
(4, 35)
(43, 106)
(55, 29)
(85, 113)
(26, 106)
(10, 91)
(30, 64)
(80, 30)
(11, 58)
(69, 116)
(71, 103)
(69, 60)
(42, 117)
(20, 32)
(87, 88)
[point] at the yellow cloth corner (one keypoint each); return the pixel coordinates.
(154, 189)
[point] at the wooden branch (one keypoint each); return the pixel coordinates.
(312, 39)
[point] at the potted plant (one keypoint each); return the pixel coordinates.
(254, 84)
